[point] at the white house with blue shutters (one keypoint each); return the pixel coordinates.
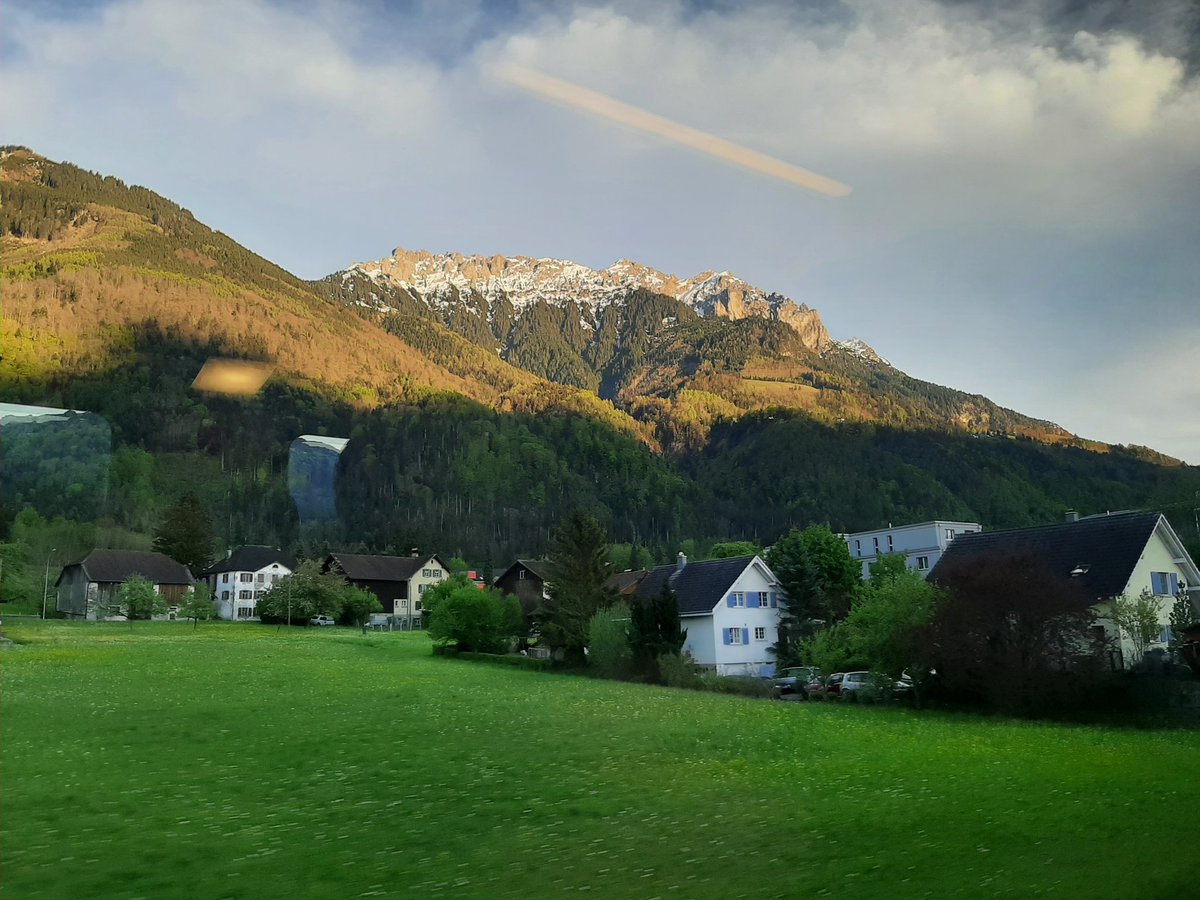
(729, 608)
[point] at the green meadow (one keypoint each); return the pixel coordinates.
(241, 761)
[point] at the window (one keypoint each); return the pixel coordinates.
(760, 634)
(260, 578)
(437, 573)
(245, 612)
(421, 588)
(225, 578)
(889, 543)
(417, 606)
(224, 595)
(401, 604)
(245, 595)
(274, 578)
(520, 574)
(1164, 636)
(1164, 583)
(244, 576)
(739, 598)
(427, 573)
(876, 540)
(922, 563)
(257, 594)
(949, 534)
(735, 635)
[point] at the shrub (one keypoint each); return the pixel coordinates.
(678, 671)
(742, 685)
(608, 642)
(514, 660)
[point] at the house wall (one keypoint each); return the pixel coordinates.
(72, 593)
(431, 572)
(226, 593)
(926, 539)
(749, 658)
(529, 591)
(700, 641)
(1156, 557)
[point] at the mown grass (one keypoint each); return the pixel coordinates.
(243, 761)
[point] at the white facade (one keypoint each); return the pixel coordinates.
(409, 609)
(922, 544)
(1163, 568)
(236, 594)
(736, 636)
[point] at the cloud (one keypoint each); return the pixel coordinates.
(1018, 169)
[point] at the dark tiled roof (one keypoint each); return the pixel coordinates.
(359, 567)
(119, 565)
(1108, 547)
(699, 587)
(624, 583)
(251, 559)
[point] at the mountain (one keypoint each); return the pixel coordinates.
(675, 353)
(480, 401)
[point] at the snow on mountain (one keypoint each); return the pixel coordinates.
(861, 349)
(440, 279)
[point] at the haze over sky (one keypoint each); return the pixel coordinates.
(1025, 214)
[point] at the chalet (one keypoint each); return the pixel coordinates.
(625, 583)
(87, 589)
(239, 580)
(526, 580)
(1111, 555)
(729, 607)
(399, 582)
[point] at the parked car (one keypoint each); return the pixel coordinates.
(852, 683)
(321, 620)
(796, 679)
(825, 688)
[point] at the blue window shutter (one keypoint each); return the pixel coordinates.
(774, 600)
(752, 598)
(727, 636)
(745, 635)
(729, 601)
(1174, 584)
(1156, 582)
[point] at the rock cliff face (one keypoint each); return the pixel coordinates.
(440, 280)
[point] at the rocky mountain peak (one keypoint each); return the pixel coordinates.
(523, 281)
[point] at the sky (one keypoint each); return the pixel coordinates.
(1023, 221)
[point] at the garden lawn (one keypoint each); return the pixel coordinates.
(244, 761)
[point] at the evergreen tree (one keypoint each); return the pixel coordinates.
(655, 630)
(185, 534)
(576, 587)
(803, 604)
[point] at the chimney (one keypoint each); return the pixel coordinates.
(680, 561)
(1072, 515)
(415, 552)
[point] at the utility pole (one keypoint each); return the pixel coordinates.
(46, 582)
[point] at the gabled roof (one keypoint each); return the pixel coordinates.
(251, 559)
(699, 586)
(538, 567)
(1103, 549)
(625, 583)
(115, 566)
(360, 567)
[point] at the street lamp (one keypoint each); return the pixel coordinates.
(46, 582)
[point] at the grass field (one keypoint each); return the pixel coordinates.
(245, 762)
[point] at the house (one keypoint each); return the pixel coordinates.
(240, 579)
(625, 583)
(922, 544)
(397, 581)
(1109, 555)
(87, 589)
(729, 608)
(526, 580)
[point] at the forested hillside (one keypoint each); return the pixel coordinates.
(113, 298)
